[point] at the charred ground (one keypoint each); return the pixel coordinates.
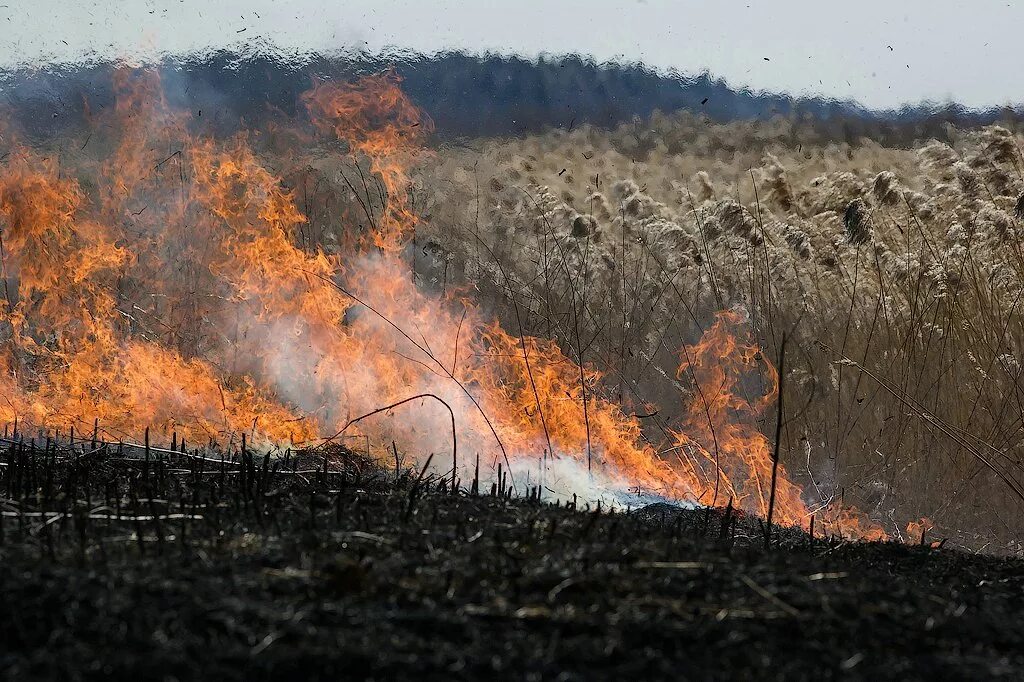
(115, 564)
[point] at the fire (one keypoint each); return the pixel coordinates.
(719, 441)
(166, 287)
(916, 530)
(378, 121)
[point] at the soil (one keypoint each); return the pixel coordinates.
(117, 564)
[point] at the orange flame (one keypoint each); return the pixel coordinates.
(719, 437)
(165, 288)
(378, 121)
(916, 530)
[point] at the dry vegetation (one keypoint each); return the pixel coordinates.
(249, 295)
(891, 276)
(894, 273)
(897, 273)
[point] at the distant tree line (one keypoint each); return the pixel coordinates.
(467, 96)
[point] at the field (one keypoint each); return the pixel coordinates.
(334, 395)
(896, 274)
(252, 570)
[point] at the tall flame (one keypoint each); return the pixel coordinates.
(166, 287)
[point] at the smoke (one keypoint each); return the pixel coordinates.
(566, 479)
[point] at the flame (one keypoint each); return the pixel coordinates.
(916, 530)
(378, 121)
(720, 444)
(719, 440)
(165, 287)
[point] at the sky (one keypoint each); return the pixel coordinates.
(881, 53)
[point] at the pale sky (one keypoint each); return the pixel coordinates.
(881, 53)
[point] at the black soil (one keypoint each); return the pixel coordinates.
(114, 567)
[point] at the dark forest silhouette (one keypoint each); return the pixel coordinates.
(467, 96)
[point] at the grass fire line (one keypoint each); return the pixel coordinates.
(166, 280)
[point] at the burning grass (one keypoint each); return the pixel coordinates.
(396, 407)
(896, 275)
(168, 280)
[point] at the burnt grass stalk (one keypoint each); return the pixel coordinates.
(135, 561)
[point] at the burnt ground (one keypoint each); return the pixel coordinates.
(112, 567)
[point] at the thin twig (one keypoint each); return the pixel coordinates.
(778, 438)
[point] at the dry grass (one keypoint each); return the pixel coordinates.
(897, 272)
